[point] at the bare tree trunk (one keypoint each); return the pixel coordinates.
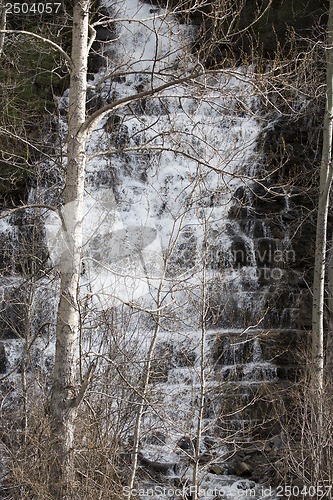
(202, 395)
(2, 24)
(64, 396)
(202, 372)
(317, 368)
(329, 344)
(144, 391)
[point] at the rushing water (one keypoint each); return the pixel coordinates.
(165, 185)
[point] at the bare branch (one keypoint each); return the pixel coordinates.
(92, 121)
(54, 45)
(12, 211)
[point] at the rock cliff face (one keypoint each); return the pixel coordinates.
(277, 26)
(284, 22)
(237, 250)
(259, 312)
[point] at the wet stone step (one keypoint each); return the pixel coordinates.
(247, 372)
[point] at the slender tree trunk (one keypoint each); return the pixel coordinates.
(64, 395)
(144, 391)
(329, 344)
(202, 394)
(2, 24)
(317, 368)
(202, 368)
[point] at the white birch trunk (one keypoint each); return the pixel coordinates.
(329, 344)
(2, 24)
(317, 368)
(64, 393)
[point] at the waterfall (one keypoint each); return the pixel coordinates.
(174, 226)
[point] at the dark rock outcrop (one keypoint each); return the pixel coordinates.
(3, 358)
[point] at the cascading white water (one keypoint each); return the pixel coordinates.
(161, 193)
